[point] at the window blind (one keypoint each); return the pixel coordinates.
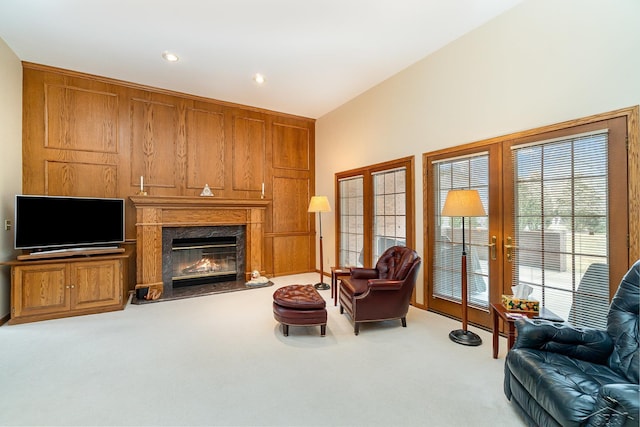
(463, 172)
(560, 225)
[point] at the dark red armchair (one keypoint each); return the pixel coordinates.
(383, 292)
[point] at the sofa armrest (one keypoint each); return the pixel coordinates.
(616, 405)
(364, 273)
(385, 285)
(592, 345)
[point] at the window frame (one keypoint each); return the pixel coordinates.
(367, 172)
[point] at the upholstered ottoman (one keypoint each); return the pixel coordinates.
(299, 305)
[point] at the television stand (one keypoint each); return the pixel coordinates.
(43, 289)
(71, 252)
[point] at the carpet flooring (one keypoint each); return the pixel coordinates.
(221, 360)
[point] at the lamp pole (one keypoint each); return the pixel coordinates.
(319, 204)
(321, 284)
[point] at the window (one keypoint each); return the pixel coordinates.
(351, 220)
(390, 214)
(375, 210)
(560, 220)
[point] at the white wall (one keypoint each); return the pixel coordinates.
(542, 62)
(10, 160)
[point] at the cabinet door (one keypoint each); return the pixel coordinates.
(39, 289)
(96, 284)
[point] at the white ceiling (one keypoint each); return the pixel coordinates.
(315, 54)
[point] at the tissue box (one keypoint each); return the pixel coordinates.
(514, 304)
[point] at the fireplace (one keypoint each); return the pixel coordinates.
(202, 255)
(157, 214)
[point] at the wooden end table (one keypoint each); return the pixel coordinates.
(498, 311)
(337, 272)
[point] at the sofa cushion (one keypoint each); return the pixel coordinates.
(566, 388)
(622, 326)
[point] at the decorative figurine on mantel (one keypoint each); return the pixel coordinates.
(206, 191)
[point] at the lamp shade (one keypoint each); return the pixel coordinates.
(463, 203)
(319, 204)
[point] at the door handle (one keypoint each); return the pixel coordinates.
(509, 247)
(492, 247)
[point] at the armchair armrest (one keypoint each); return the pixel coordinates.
(591, 345)
(384, 284)
(364, 273)
(616, 405)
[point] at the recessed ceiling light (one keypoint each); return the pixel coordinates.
(171, 57)
(258, 78)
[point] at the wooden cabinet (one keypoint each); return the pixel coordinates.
(49, 289)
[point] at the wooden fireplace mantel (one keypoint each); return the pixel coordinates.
(153, 213)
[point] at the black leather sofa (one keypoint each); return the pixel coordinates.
(560, 375)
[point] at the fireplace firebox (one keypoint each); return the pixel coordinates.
(202, 255)
(203, 260)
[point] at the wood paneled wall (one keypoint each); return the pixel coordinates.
(87, 135)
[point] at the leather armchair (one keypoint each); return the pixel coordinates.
(560, 375)
(383, 292)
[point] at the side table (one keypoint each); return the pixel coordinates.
(337, 272)
(498, 311)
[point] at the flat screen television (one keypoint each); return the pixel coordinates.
(52, 223)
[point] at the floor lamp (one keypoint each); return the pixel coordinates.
(319, 204)
(464, 203)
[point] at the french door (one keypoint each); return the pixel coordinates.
(557, 221)
(469, 169)
(565, 233)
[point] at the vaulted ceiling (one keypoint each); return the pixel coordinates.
(315, 55)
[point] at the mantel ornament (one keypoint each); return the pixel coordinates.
(206, 191)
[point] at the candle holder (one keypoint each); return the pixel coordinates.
(142, 193)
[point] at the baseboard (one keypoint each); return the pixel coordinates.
(5, 319)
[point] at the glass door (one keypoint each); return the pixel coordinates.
(560, 226)
(470, 170)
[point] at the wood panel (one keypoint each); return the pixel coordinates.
(81, 179)
(80, 119)
(154, 134)
(205, 216)
(291, 147)
(291, 254)
(290, 201)
(248, 154)
(87, 135)
(205, 141)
